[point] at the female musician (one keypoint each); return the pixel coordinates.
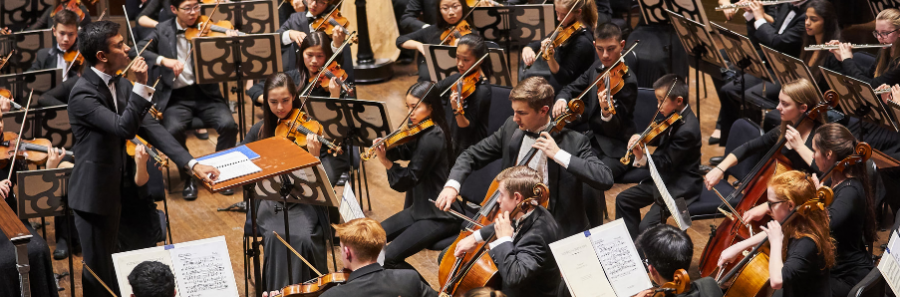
(574, 56)
(420, 224)
(46, 20)
(801, 251)
(885, 70)
(468, 126)
(852, 212)
(307, 233)
(315, 52)
(452, 12)
(795, 99)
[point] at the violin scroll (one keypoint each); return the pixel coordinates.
(680, 284)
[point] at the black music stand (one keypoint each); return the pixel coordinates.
(251, 17)
(239, 58)
(51, 123)
(740, 51)
(788, 68)
(358, 123)
(18, 15)
(878, 5)
(21, 84)
(46, 195)
(27, 44)
(699, 44)
(859, 99)
(441, 62)
(514, 25)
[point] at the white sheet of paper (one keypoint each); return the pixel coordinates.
(580, 267)
(204, 270)
(620, 259)
(889, 267)
(349, 207)
(232, 165)
(126, 261)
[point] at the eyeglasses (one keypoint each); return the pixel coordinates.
(449, 8)
(883, 35)
(318, 2)
(772, 204)
(190, 9)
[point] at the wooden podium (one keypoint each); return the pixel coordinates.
(277, 156)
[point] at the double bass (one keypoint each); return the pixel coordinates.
(459, 275)
(753, 187)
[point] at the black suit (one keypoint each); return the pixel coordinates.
(95, 189)
(787, 42)
(565, 183)
(297, 22)
(526, 265)
(180, 106)
(45, 60)
(374, 281)
(677, 158)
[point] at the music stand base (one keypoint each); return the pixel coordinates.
(379, 71)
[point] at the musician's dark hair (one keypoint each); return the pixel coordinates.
(535, 90)
(836, 138)
(152, 279)
(177, 3)
(484, 292)
(443, 24)
(433, 100)
(608, 30)
(666, 248)
(680, 90)
(827, 13)
(65, 17)
(270, 120)
(478, 48)
(320, 39)
(94, 37)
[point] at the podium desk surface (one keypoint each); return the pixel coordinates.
(277, 155)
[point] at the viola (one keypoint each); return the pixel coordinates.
(316, 286)
(398, 137)
(132, 144)
(34, 151)
(73, 6)
(334, 20)
(753, 188)
(680, 284)
(331, 72)
(454, 33)
(299, 126)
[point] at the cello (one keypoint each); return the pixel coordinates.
(459, 275)
(753, 187)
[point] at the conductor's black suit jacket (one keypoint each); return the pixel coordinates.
(566, 203)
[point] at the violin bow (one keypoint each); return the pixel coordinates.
(297, 254)
(477, 63)
(334, 55)
(128, 23)
(78, 53)
(558, 27)
(456, 27)
(98, 278)
(733, 211)
(135, 59)
(329, 15)
(19, 138)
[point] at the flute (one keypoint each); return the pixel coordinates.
(826, 47)
(747, 4)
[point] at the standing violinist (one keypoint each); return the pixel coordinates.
(608, 132)
(801, 250)
(665, 250)
(677, 159)
(522, 255)
(564, 158)
(470, 111)
(307, 222)
(65, 30)
(420, 224)
(574, 56)
(452, 13)
(179, 97)
(46, 20)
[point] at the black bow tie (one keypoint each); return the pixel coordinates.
(179, 31)
(55, 51)
(310, 20)
(531, 134)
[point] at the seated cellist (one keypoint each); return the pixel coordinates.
(665, 250)
(522, 255)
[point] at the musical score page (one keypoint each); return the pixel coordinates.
(620, 259)
(580, 267)
(889, 267)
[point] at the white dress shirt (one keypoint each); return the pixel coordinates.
(790, 16)
(182, 47)
(140, 89)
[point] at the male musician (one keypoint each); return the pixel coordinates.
(151, 279)
(105, 110)
(666, 249)
(608, 133)
(677, 159)
(65, 31)
(522, 255)
(180, 98)
(47, 21)
(564, 159)
(361, 242)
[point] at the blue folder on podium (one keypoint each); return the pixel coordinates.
(243, 149)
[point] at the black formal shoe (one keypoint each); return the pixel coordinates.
(202, 136)
(714, 161)
(62, 250)
(713, 140)
(228, 192)
(190, 190)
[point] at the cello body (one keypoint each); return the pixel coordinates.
(753, 278)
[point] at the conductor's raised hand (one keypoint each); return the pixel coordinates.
(139, 69)
(207, 173)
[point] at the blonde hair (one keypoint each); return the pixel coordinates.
(888, 57)
(588, 11)
(802, 92)
(809, 220)
(364, 236)
(521, 179)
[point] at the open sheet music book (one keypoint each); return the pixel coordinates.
(890, 263)
(601, 262)
(202, 268)
(231, 165)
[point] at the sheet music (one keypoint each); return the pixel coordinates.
(350, 208)
(231, 165)
(888, 265)
(580, 267)
(619, 257)
(666, 196)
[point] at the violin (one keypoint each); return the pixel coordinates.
(73, 6)
(316, 286)
(680, 284)
(654, 129)
(302, 125)
(560, 37)
(398, 137)
(613, 79)
(452, 34)
(37, 148)
(753, 188)
(73, 58)
(466, 84)
(475, 270)
(207, 28)
(331, 72)
(334, 20)
(131, 145)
